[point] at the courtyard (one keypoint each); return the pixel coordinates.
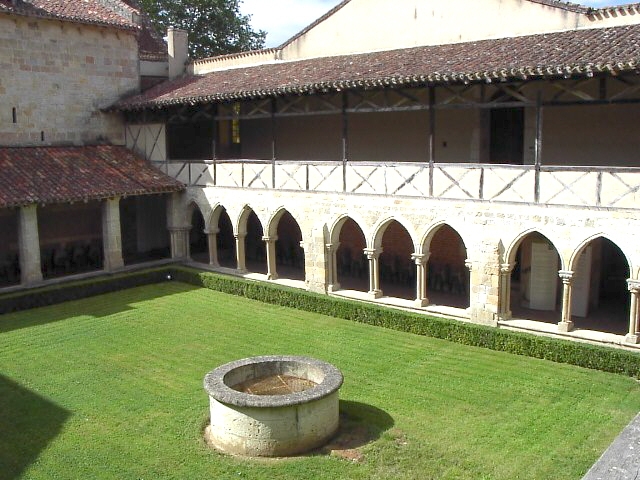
(111, 387)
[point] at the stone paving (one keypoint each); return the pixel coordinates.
(621, 461)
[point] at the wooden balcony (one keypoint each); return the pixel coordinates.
(586, 187)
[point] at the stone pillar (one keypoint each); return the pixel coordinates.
(421, 279)
(111, 234)
(332, 267)
(504, 299)
(373, 255)
(272, 273)
(566, 325)
(212, 239)
(634, 289)
(29, 245)
(241, 263)
(179, 242)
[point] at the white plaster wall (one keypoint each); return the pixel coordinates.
(58, 75)
(370, 25)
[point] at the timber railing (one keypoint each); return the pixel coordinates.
(607, 187)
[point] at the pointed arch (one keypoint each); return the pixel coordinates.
(198, 241)
(351, 266)
(382, 225)
(448, 278)
(336, 227)
(396, 267)
(512, 250)
(289, 262)
(585, 243)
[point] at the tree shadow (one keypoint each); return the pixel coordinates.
(97, 309)
(28, 423)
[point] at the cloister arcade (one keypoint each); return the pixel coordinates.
(392, 261)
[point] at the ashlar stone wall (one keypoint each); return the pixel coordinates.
(56, 76)
(490, 231)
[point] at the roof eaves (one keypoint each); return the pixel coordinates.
(436, 78)
(42, 14)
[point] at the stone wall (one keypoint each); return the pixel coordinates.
(491, 232)
(56, 76)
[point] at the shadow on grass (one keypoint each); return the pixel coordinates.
(28, 423)
(360, 424)
(90, 306)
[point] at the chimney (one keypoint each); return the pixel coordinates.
(177, 41)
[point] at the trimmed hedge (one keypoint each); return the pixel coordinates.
(75, 290)
(561, 351)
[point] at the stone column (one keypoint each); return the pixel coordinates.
(634, 289)
(272, 273)
(421, 278)
(241, 264)
(373, 255)
(212, 239)
(111, 234)
(504, 299)
(29, 245)
(332, 266)
(566, 324)
(179, 242)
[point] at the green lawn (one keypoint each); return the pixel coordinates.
(111, 387)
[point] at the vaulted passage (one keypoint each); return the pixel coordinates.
(143, 225)
(70, 238)
(447, 274)
(599, 293)
(9, 252)
(536, 289)
(226, 244)
(289, 253)
(198, 242)
(352, 268)
(397, 271)
(255, 252)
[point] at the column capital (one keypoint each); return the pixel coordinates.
(469, 264)
(372, 253)
(332, 247)
(420, 258)
(212, 231)
(633, 285)
(506, 267)
(269, 239)
(239, 236)
(566, 276)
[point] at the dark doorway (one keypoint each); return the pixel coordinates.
(289, 253)
(255, 251)
(226, 242)
(198, 241)
(507, 136)
(352, 265)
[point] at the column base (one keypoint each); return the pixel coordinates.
(242, 271)
(272, 276)
(333, 287)
(214, 264)
(565, 326)
(632, 339)
(421, 302)
(375, 293)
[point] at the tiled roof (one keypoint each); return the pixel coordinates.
(564, 54)
(80, 11)
(71, 174)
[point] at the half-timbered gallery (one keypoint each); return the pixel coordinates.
(474, 158)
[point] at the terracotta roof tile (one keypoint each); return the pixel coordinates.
(577, 52)
(70, 174)
(81, 11)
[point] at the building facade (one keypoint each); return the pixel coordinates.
(73, 199)
(408, 153)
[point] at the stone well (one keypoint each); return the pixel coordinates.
(273, 405)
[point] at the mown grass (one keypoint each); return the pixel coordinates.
(111, 387)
